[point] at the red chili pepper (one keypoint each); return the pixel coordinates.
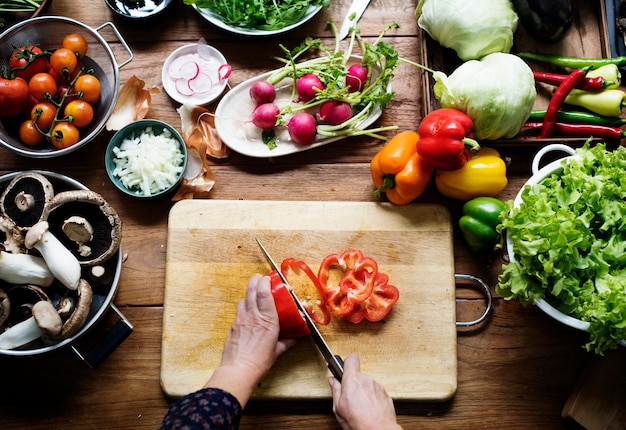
(378, 304)
(348, 279)
(588, 130)
(292, 325)
(557, 99)
(445, 139)
(597, 83)
(308, 289)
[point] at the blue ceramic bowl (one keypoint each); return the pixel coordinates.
(144, 132)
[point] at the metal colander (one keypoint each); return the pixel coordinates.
(48, 32)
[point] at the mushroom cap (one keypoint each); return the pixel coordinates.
(34, 234)
(13, 203)
(5, 307)
(23, 298)
(103, 219)
(47, 317)
(11, 236)
(78, 318)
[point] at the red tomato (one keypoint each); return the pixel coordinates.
(63, 61)
(89, 87)
(43, 115)
(27, 61)
(80, 111)
(29, 134)
(14, 96)
(42, 86)
(64, 135)
(76, 43)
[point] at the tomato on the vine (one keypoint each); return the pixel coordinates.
(76, 43)
(29, 134)
(63, 61)
(64, 135)
(80, 111)
(14, 96)
(43, 114)
(26, 61)
(42, 86)
(89, 86)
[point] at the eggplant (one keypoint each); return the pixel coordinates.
(545, 20)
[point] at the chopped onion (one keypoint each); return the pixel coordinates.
(148, 164)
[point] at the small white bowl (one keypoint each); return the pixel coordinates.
(195, 74)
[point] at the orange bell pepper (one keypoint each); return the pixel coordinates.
(398, 171)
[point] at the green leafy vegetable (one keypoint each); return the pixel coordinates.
(259, 14)
(15, 6)
(569, 238)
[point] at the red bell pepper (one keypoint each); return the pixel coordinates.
(292, 325)
(445, 139)
(308, 289)
(378, 304)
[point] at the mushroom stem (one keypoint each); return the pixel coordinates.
(24, 269)
(62, 263)
(45, 320)
(24, 202)
(78, 230)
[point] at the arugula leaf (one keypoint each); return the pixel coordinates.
(569, 238)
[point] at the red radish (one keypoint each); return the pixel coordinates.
(302, 128)
(334, 112)
(265, 115)
(262, 92)
(305, 87)
(356, 77)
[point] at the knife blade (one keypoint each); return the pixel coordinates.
(357, 8)
(335, 363)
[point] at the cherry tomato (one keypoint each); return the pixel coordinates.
(27, 61)
(89, 86)
(65, 91)
(42, 86)
(64, 135)
(43, 114)
(29, 134)
(63, 61)
(76, 43)
(80, 111)
(14, 96)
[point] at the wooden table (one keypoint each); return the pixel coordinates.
(515, 371)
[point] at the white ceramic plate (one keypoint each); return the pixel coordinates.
(211, 86)
(232, 120)
(217, 21)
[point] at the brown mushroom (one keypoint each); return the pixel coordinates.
(25, 199)
(79, 316)
(45, 320)
(5, 307)
(86, 224)
(11, 237)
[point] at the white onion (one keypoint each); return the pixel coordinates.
(148, 163)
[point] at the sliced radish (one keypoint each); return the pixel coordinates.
(224, 71)
(175, 66)
(182, 86)
(189, 70)
(201, 84)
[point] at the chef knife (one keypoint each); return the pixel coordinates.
(357, 8)
(335, 363)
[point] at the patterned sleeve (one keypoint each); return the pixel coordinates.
(208, 408)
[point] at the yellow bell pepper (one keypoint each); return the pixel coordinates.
(484, 175)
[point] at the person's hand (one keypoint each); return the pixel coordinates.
(252, 344)
(359, 402)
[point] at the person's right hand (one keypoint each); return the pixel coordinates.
(359, 402)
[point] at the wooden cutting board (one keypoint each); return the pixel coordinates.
(211, 253)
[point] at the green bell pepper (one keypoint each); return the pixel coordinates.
(478, 224)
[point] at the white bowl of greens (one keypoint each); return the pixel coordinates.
(566, 242)
(236, 16)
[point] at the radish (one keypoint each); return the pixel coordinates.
(262, 92)
(265, 115)
(334, 112)
(306, 85)
(356, 77)
(302, 128)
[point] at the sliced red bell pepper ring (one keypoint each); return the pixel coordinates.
(348, 279)
(378, 304)
(292, 325)
(308, 289)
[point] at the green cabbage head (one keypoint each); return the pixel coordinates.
(497, 92)
(473, 28)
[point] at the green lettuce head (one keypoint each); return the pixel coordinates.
(472, 28)
(497, 92)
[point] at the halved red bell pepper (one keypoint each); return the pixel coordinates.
(308, 289)
(378, 304)
(292, 325)
(348, 280)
